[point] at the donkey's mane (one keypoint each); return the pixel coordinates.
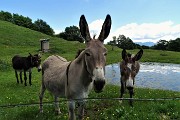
(79, 52)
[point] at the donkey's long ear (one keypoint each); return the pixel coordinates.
(84, 29)
(105, 29)
(124, 54)
(30, 54)
(138, 56)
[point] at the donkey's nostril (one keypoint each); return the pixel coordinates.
(100, 68)
(39, 70)
(130, 88)
(98, 85)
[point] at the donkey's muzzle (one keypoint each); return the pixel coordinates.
(98, 85)
(39, 68)
(130, 88)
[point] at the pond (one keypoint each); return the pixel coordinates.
(151, 75)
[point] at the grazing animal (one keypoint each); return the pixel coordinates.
(75, 79)
(25, 64)
(129, 68)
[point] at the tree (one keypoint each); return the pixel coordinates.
(113, 43)
(71, 33)
(144, 47)
(5, 16)
(161, 45)
(125, 43)
(22, 21)
(18, 20)
(174, 45)
(42, 26)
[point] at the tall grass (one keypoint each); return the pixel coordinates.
(19, 40)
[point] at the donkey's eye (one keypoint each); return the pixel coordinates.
(105, 54)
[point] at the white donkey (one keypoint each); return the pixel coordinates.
(74, 79)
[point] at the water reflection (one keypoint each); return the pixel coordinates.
(151, 75)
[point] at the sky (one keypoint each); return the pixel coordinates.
(140, 20)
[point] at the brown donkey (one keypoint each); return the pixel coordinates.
(75, 79)
(25, 64)
(129, 68)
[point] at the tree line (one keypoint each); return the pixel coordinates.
(172, 45)
(126, 43)
(72, 33)
(38, 25)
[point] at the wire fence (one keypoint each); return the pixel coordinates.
(94, 99)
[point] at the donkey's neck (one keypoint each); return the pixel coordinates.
(81, 69)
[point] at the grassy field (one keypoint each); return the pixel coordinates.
(18, 40)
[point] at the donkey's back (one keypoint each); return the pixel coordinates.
(54, 75)
(53, 61)
(20, 63)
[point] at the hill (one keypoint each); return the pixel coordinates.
(145, 43)
(18, 40)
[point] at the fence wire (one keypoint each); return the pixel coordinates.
(93, 99)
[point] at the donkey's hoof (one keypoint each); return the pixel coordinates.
(41, 111)
(131, 103)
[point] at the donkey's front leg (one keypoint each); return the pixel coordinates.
(41, 94)
(56, 103)
(20, 74)
(123, 88)
(81, 105)
(131, 92)
(71, 107)
(30, 73)
(17, 76)
(25, 78)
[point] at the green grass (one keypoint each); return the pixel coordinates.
(19, 40)
(11, 93)
(149, 55)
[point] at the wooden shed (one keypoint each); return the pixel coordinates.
(44, 45)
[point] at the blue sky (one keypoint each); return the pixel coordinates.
(141, 20)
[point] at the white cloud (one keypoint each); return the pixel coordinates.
(148, 32)
(57, 31)
(95, 27)
(145, 32)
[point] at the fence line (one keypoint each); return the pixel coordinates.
(95, 99)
